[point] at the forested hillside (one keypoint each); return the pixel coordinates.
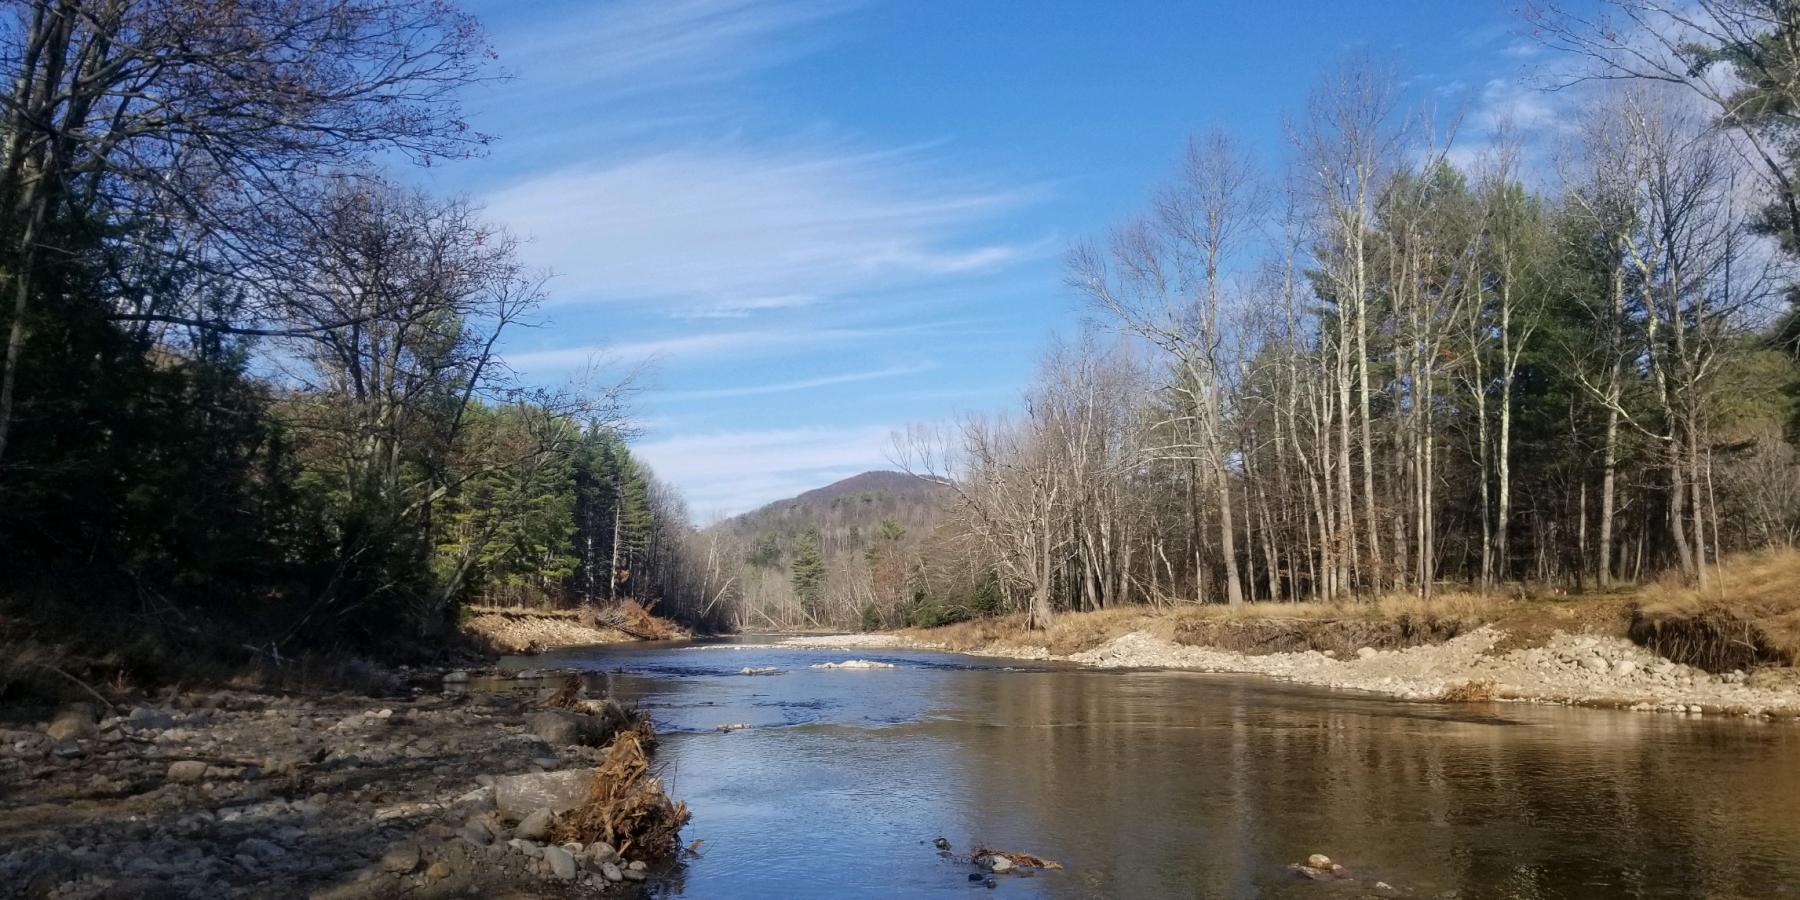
(859, 552)
(251, 395)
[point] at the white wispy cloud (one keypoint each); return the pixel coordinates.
(721, 344)
(616, 49)
(695, 228)
(743, 309)
(804, 384)
(725, 473)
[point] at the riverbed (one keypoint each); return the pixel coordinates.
(1155, 783)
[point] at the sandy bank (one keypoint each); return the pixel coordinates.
(522, 630)
(1585, 669)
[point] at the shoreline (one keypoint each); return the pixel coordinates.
(1567, 669)
(428, 790)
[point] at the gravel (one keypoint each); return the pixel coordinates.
(1575, 669)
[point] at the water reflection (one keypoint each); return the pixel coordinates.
(1171, 784)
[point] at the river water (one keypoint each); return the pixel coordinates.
(1169, 784)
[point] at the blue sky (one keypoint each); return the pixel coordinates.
(824, 220)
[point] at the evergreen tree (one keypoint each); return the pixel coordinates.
(808, 572)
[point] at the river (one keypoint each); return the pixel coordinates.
(1171, 784)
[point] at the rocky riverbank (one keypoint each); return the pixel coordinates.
(1580, 669)
(431, 791)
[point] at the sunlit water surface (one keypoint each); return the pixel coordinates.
(1166, 784)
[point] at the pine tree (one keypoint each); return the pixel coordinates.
(808, 572)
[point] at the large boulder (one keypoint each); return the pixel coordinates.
(518, 796)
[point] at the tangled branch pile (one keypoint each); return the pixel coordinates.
(632, 618)
(1017, 859)
(626, 805)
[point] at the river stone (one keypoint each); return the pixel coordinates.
(258, 848)
(145, 717)
(517, 796)
(187, 770)
(74, 722)
(1319, 861)
(611, 872)
(1366, 652)
(562, 865)
(456, 677)
(601, 851)
(637, 865)
(635, 874)
(1594, 664)
(535, 827)
(1624, 667)
(1000, 864)
(401, 858)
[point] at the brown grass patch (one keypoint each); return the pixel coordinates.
(1257, 628)
(1748, 616)
(627, 807)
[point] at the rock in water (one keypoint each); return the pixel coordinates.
(1319, 861)
(1000, 864)
(517, 796)
(611, 872)
(562, 865)
(536, 827)
(456, 677)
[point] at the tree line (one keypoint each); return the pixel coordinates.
(251, 383)
(1389, 364)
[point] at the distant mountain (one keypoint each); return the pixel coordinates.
(878, 488)
(844, 512)
(859, 525)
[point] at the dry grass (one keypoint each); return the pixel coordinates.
(1398, 621)
(1748, 615)
(626, 806)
